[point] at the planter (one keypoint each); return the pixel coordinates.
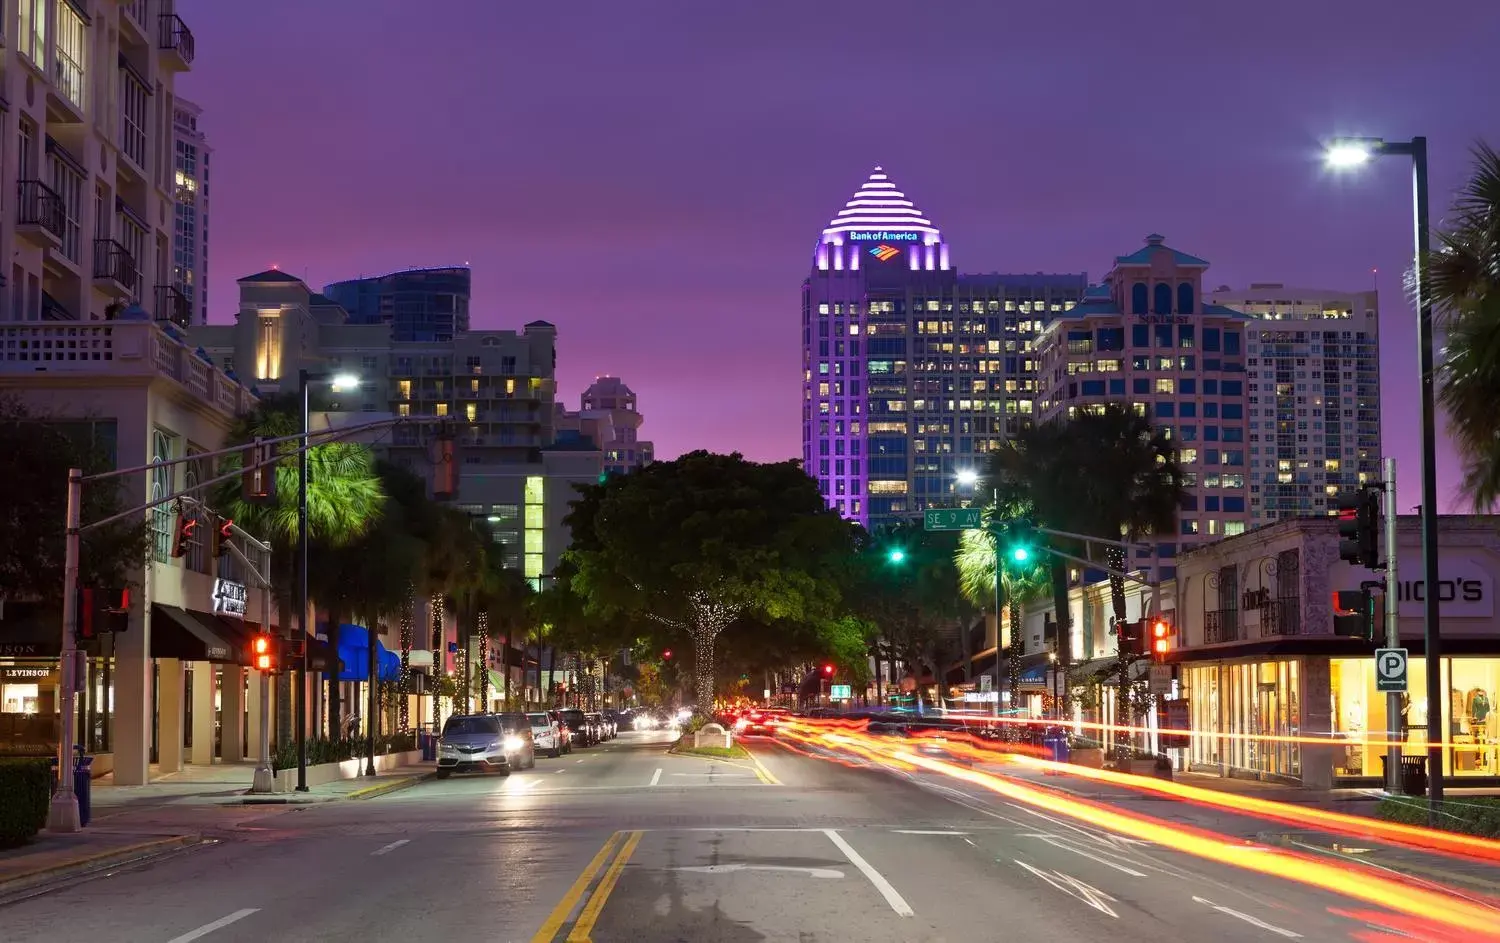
(1147, 767)
(286, 779)
(1092, 758)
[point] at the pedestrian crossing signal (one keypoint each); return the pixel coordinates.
(1161, 639)
(263, 653)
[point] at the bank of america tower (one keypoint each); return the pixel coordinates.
(911, 371)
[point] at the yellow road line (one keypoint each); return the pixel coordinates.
(600, 897)
(559, 914)
(761, 770)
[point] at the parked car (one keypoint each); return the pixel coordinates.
(546, 733)
(583, 732)
(482, 743)
(562, 727)
(603, 724)
(621, 719)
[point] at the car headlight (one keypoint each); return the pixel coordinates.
(512, 744)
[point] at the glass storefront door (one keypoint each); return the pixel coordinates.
(1472, 729)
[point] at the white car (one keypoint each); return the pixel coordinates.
(547, 734)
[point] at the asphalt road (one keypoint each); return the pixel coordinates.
(624, 843)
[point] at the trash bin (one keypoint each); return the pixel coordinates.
(83, 788)
(1413, 774)
(428, 744)
(1055, 744)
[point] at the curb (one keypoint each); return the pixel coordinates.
(380, 789)
(103, 859)
(1409, 869)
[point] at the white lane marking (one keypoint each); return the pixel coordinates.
(521, 785)
(923, 831)
(1253, 921)
(1074, 888)
(656, 777)
(580, 759)
(219, 924)
(390, 848)
(825, 873)
(892, 897)
(1057, 842)
(559, 771)
(714, 773)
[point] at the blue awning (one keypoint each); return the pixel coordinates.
(1036, 674)
(354, 655)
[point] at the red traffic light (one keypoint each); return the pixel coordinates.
(187, 532)
(828, 670)
(667, 654)
(263, 653)
(1160, 641)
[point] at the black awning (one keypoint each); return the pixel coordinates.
(178, 633)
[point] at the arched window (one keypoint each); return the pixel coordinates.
(1138, 298)
(161, 486)
(1163, 300)
(1185, 298)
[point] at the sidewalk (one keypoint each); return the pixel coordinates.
(171, 813)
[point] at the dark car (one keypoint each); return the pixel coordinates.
(582, 732)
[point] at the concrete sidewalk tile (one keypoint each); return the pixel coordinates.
(33, 864)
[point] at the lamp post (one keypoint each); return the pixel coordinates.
(305, 379)
(969, 478)
(1345, 153)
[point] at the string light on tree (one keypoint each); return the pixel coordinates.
(403, 681)
(437, 660)
(484, 661)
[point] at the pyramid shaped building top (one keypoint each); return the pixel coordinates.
(878, 205)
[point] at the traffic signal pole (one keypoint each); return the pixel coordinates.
(1392, 632)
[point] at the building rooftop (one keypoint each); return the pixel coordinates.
(877, 204)
(270, 275)
(1154, 243)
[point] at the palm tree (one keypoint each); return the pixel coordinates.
(1106, 473)
(977, 556)
(344, 497)
(1465, 289)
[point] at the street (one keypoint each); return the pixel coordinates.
(622, 842)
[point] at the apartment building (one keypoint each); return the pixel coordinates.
(496, 388)
(608, 415)
(191, 157)
(88, 167)
(424, 304)
(1312, 370)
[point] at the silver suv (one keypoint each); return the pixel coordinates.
(485, 742)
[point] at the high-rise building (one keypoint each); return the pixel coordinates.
(420, 305)
(190, 222)
(624, 451)
(1147, 338)
(1313, 371)
(911, 371)
(91, 173)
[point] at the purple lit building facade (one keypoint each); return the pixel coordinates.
(911, 371)
(1146, 338)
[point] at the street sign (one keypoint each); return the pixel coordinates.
(1160, 679)
(840, 692)
(1390, 669)
(951, 519)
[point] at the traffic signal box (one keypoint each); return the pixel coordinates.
(1359, 527)
(264, 653)
(1146, 637)
(1161, 639)
(102, 611)
(185, 533)
(1354, 614)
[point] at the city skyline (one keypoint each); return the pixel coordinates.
(568, 172)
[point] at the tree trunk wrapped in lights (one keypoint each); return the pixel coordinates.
(403, 680)
(484, 661)
(1124, 715)
(709, 619)
(437, 661)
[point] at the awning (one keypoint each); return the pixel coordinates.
(178, 633)
(354, 655)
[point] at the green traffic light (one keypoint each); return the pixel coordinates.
(897, 556)
(1020, 554)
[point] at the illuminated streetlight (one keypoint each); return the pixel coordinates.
(343, 381)
(967, 477)
(1343, 153)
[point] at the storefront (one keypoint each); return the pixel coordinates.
(30, 684)
(1255, 708)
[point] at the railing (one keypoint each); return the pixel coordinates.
(41, 206)
(114, 261)
(1280, 617)
(175, 36)
(133, 112)
(138, 12)
(1221, 625)
(172, 306)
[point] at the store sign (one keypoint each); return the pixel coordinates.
(883, 235)
(24, 674)
(885, 253)
(25, 650)
(1465, 587)
(229, 599)
(1164, 319)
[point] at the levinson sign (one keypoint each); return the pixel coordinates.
(1466, 587)
(882, 235)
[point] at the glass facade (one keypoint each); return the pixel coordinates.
(29, 700)
(1245, 716)
(1359, 714)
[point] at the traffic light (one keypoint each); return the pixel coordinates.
(827, 671)
(263, 653)
(221, 537)
(666, 655)
(896, 555)
(1161, 638)
(186, 533)
(1018, 543)
(102, 611)
(1354, 614)
(1359, 527)
(258, 480)
(1131, 637)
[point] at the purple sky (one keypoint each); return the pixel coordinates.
(651, 176)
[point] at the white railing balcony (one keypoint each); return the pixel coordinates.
(101, 349)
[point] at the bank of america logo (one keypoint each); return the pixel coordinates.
(885, 253)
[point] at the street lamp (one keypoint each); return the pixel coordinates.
(305, 379)
(969, 478)
(1345, 153)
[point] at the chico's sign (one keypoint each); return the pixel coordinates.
(1465, 588)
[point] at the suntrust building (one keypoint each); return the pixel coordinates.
(911, 371)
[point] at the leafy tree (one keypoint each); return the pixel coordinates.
(344, 497)
(1465, 289)
(36, 452)
(1106, 473)
(909, 588)
(978, 552)
(698, 542)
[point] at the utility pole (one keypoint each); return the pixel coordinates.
(1392, 631)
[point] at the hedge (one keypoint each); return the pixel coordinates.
(322, 750)
(1472, 816)
(25, 792)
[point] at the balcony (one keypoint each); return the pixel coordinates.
(41, 217)
(1221, 625)
(176, 40)
(115, 272)
(1281, 617)
(172, 306)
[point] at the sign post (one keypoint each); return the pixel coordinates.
(1390, 669)
(952, 519)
